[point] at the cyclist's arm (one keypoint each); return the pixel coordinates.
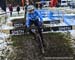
(39, 15)
(27, 20)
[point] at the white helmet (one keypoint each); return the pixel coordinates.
(30, 7)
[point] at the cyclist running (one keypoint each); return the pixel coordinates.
(33, 17)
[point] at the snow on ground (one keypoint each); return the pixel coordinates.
(14, 13)
(3, 35)
(72, 33)
(6, 27)
(12, 18)
(3, 44)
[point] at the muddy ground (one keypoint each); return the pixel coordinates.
(56, 45)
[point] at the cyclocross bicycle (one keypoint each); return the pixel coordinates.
(38, 38)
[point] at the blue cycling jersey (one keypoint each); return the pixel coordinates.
(33, 16)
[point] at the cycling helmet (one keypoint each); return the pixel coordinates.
(30, 7)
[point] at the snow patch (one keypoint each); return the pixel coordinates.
(6, 27)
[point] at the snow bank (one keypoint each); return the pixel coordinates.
(6, 27)
(3, 36)
(12, 18)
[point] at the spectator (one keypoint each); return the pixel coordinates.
(18, 9)
(41, 5)
(10, 9)
(53, 3)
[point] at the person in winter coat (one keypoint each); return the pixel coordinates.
(18, 9)
(10, 9)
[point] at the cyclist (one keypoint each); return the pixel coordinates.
(33, 17)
